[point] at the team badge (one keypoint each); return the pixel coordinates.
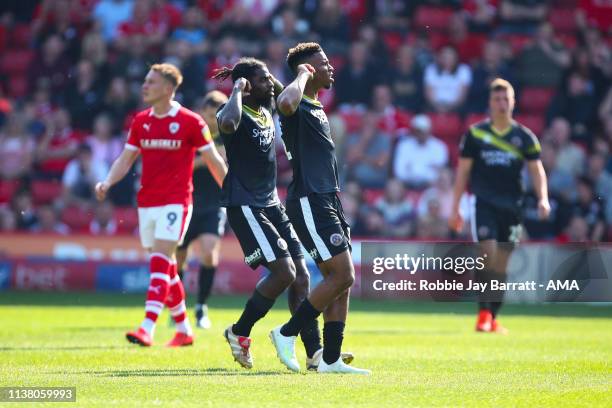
(174, 127)
(282, 244)
(516, 141)
(336, 239)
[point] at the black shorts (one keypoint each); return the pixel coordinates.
(320, 225)
(265, 234)
(205, 222)
(491, 222)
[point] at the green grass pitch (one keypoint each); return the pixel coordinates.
(421, 354)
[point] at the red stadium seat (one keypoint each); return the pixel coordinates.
(563, 19)
(517, 42)
(535, 100)
(18, 86)
(44, 192)
(16, 61)
(127, 219)
(8, 189)
(370, 195)
(77, 218)
(533, 122)
(21, 35)
(432, 18)
(568, 40)
(446, 126)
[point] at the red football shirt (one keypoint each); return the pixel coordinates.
(167, 145)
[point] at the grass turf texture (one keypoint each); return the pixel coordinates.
(421, 354)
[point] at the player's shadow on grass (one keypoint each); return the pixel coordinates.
(187, 372)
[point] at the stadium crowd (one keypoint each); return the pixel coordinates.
(411, 76)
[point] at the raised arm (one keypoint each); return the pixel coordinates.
(538, 177)
(118, 170)
(229, 117)
(289, 99)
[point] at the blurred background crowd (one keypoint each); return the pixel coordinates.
(411, 76)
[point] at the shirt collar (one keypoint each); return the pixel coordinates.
(175, 107)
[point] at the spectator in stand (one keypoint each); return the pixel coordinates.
(104, 222)
(16, 148)
(142, 24)
(94, 50)
(481, 14)
(387, 116)
(110, 14)
(543, 62)
(396, 211)
(193, 69)
(275, 61)
(193, 30)
(51, 68)
(352, 205)
(133, 63)
(377, 49)
(8, 220)
(442, 192)
(406, 81)
(332, 25)
(61, 18)
(432, 225)
(570, 157)
(57, 147)
(577, 230)
(48, 222)
(166, 13)
(104, 146)
(118, 103)
(590, 207)
(227, 54)
(80, 178)
(367, 155)
(598, 49)
(84, 95)
(419, 156)
(447, 82)
(468, 45)
(560, 181)
(289, 27)
(23, 208)
(521, 16)
(356, 80)
(493, 65)
(579, 93)
(391, 15)
(602, 181)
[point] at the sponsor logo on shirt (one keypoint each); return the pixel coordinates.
(497, 158)
(319, 114)
(164, 144)
(146, 126)
(265, 137)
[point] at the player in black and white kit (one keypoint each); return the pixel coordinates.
(254, 210)
(314, 209)
(493, 153)
(208, 219)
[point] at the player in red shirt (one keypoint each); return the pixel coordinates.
(167, 136)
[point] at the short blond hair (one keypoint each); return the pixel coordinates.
(500, 84)
(169, 72)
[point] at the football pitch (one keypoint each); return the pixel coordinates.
(421, 354)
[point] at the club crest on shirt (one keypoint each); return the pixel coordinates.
(517, 142)
(174, 127)
(336, 239)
